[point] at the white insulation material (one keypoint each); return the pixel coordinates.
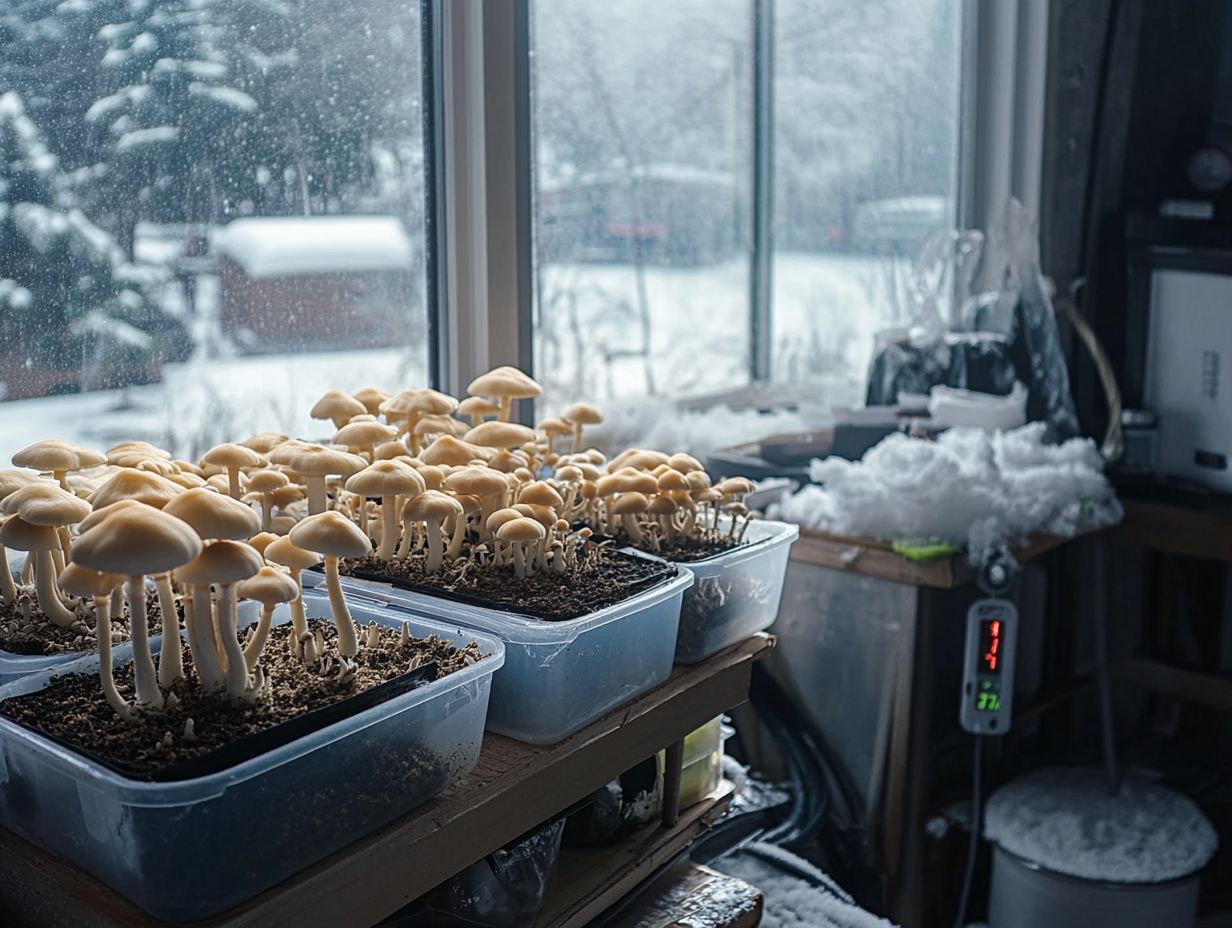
(969, 487)
(794, 903)
(1068, 821)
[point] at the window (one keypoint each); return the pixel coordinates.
(211, 211)
(865, 155)
(643, 139)
(642, 115)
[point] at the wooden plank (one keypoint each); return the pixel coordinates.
(1182, 683)
(1171, 529)
(512, 789)
(589, 881)
(692, 896)
(873, 558)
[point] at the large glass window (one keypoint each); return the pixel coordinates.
(643, 142)
(642, 155)
(210, 212)
(866, 162)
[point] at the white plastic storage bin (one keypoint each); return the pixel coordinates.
(189, 849)
(736, 594)
(561, 676)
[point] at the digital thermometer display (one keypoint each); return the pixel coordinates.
(988, 673)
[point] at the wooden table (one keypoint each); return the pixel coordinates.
(513, 788)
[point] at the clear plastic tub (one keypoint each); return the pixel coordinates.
(15, 666)
(736, 594)
(190, 849)
(561, 676)
(702, 763)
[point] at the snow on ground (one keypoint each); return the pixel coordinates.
(969, 487)
(794, 903)
(201, 404)
(1068, 822)
(827, 308)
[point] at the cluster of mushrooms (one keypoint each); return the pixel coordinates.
(403, 477)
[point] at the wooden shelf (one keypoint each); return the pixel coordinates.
(1189, 531)
(589, 881)
(512, 789)
(873, 558)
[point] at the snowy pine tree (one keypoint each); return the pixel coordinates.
(66, 289)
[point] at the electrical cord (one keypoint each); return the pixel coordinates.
(973, 848)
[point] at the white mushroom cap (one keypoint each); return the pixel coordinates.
(268, 586)
(386, 478)
(232, 456)
(137, 540)
(431, 505)
(20, 535)
(81, 581)
(221, 562)
(55, 455)
(499, 435)
(337, 405)
(213, 515)
(504, 382)
(140, 485)
(521, 529)
(44, 503)
(331, 534)
(283, 551)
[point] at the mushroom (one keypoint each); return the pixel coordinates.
(497, 434)
(470, 507)
(40, 541)
(506, 384)
(315, 463)
(628, 506)
(143, 448)
(477, 408)
(269, 586)
(553, 428)
(223, 564)
(407, 407)
(338, 407)
(451, 452)
(363, 435)
(262, 540)
(234, 458)
(578, 415)
(387, 480)
(333, 535)
(489, 486)
(57, 458)
(81, 581)
(44, 503)
(139, 485)
(264, 483)
(283, 551)
(518, 533)
(372, 398)
(212, 516)
(135, 541)
(432, 507)
(262, 443)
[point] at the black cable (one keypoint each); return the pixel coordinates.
(973, 846)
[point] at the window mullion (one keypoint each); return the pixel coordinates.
(761, 266)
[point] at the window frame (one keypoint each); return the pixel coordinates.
(483, 213)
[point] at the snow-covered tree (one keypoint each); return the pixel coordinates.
(65, 286)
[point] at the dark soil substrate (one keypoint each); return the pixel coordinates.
(687, 550)
(40, 637)
(541, 594)
(715, 602)
(74, 711)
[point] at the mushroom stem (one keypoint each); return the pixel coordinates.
(62, 478)
(252, 651)
(201, 638)
(519, 558)
(66, 544)
(389, 527)
(348, 644)
(148, 693)
(117, 600)
(27, 571)
(8, 589)
(299, 622)
(436, 547)
(57, 561)
(233, 482)
(267, 510)
(577, 437)
(632, 529)
(408, 539)
(506, 405)
(45, 589)
(316, 494)
(459, 535)
(170, 658)
(106, 673)
(224, 622)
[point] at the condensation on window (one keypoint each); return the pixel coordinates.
(210, 212)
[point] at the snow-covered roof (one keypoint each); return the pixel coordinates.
(279, 247)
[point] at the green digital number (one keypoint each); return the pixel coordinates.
(988, 702)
